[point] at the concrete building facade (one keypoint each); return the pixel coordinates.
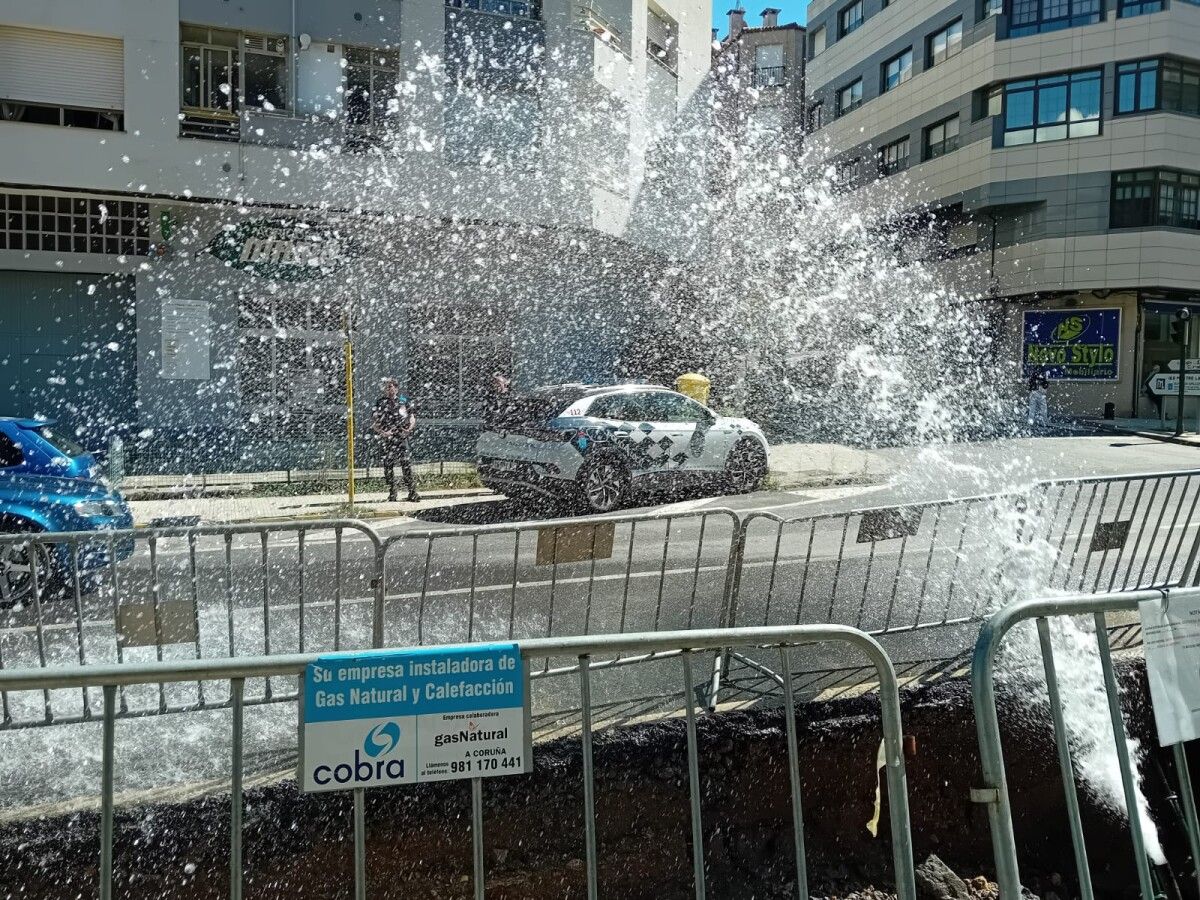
(196, 196)
(1054, 147)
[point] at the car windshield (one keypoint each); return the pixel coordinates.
(59, 441)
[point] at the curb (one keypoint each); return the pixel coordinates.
(1151, 435)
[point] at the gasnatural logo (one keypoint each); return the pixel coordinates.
(471, 735)
(378, 743)
(287, 249)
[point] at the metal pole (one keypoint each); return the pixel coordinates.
(349, 356)
(1189, 806)
(789, 710)
(477, 833)
(1064, 762)
(360, 846)
(106, 792)
(1127, 779)
(1184, 315)
(237, 689)
(589, 788)
(693, 777)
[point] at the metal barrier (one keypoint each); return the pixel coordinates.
(216, 591)
(995, 790)
(606, 574)
(679, 644)
(949, 562)
(184, 593)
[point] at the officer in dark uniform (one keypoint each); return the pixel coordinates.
(393, 421)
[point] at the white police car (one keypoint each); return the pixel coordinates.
(603, 446)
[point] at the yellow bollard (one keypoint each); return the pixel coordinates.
(694, 385)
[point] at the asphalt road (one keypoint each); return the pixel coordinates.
(242, 598)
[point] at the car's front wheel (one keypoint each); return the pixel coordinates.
(603, 485)
(746, 467)
(25, 566)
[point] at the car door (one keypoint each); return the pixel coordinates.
(670, 431)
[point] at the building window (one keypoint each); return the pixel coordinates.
(768, 65)
(1053, 108)
(817, 40)
(893, 157)
(370, 88)
(1148, 197)
(989, 8)
(850, 97)
(66, 116)
(1127, 8)
(896, 70)
(1035, 16)
(850, 19)
(452, 374)
(74, 225)
(944, 44)
(941, 138)
(846, 172)
(816, 116)
(522, 9)
(662, 39)
(223, 72)
(1151, 84)
(989, 101)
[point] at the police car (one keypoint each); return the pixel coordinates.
(600, 447)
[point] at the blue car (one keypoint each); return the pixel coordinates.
(49, 483)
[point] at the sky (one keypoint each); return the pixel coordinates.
(793, 11)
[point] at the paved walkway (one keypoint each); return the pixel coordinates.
(1152, 428)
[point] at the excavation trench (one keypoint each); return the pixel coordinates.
(419, 843)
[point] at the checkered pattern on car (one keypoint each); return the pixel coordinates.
(645, 446)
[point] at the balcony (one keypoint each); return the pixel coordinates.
(770, 76)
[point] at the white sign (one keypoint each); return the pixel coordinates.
(1193, 365)
(1171, 634)
(1166, 384)
(186, 339)
(404, 716)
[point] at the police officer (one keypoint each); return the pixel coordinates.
(393, 420)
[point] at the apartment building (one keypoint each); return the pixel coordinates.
(761, 68)
(197, 196)
(1053, 146)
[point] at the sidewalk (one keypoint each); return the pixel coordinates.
(792, 466)
(1150, 428)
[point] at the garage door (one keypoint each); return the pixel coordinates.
(68, 350)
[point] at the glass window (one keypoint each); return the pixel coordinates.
(63, 443)
(10, 453)
(850, 97)
(1181, 87)
(990, 8)
(371, 78)
(266, 70)
(1035, 16)
(817, 116)
(1052, 108)
(220, 71)
(850, 19)
(941, 138)
(944, 44)
(662, 39)
(1127, 8)
(897, 70)
(618, 407)
(768, 65)
(989, 101)
(893, 157)
(818, 40)
(1137, 86)
(525, 9)
(1146, 197)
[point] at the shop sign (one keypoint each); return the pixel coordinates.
(290, 250)
(1072, 344)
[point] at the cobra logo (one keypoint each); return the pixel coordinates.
(382, 739)
(369, 764)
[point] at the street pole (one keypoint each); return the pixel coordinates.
(349, 361)
(1184, 315)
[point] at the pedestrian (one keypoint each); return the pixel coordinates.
(1039, 406)
(499, 401)
(1154, 398)
(393, 420)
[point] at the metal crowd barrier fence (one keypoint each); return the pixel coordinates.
(950, 562)
(671, 644)
(994, 793)
(217, 591)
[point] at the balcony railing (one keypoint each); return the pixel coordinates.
(212, 124)
(770, 76)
